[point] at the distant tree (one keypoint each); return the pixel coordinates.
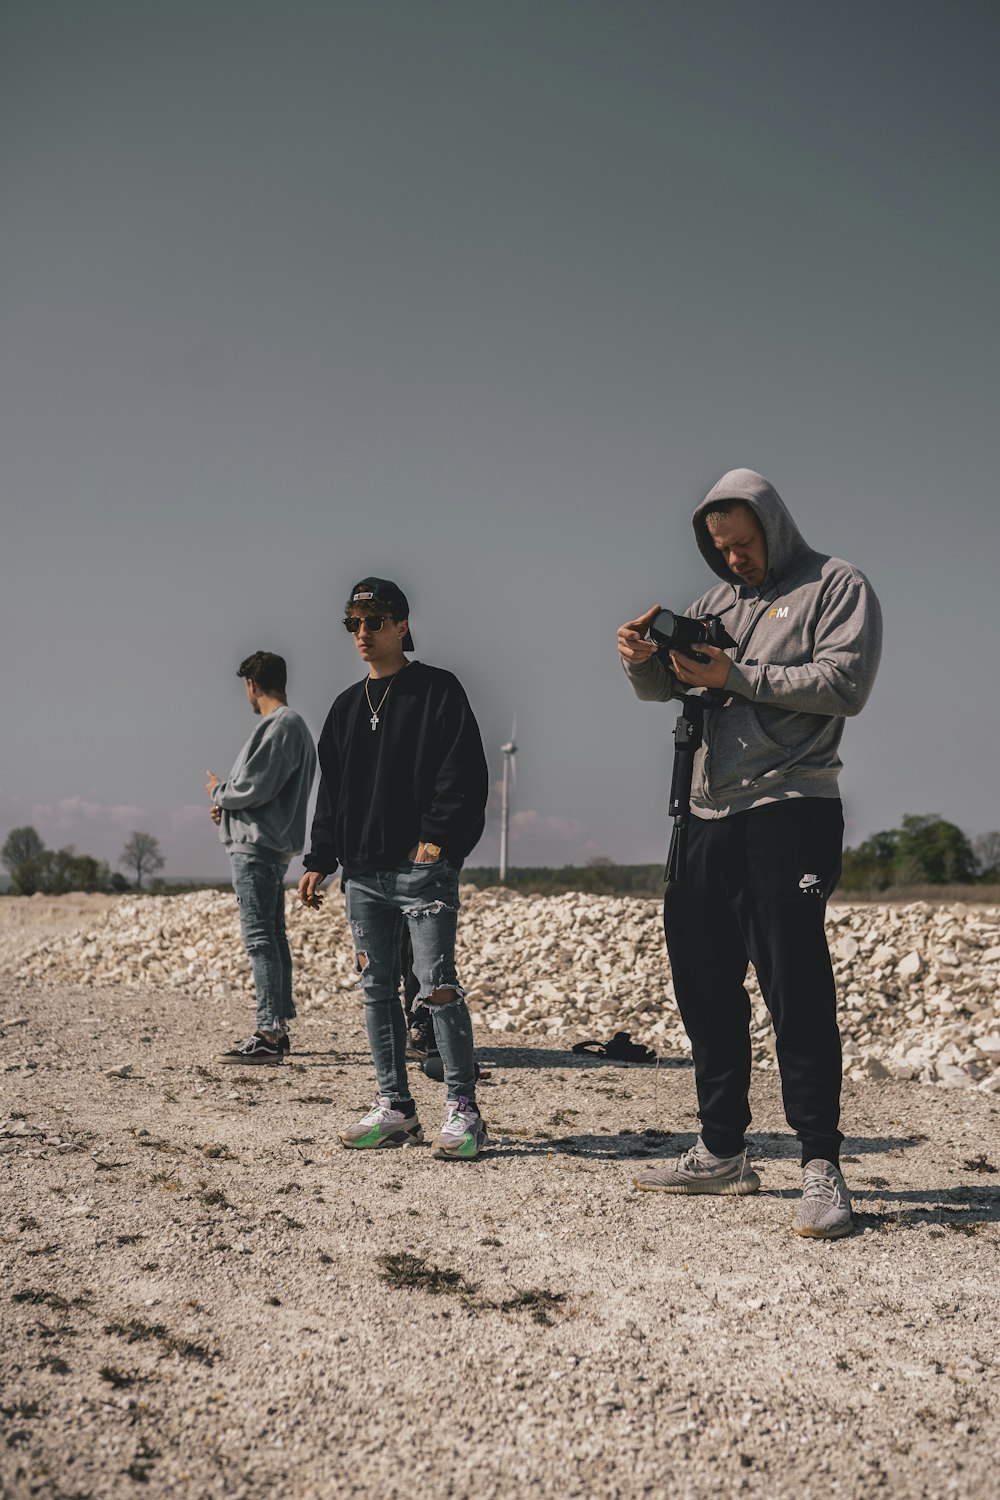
(55, 871)
(20, 844)
(117, 882)
(872, 865)
(932, 851)
(986, 847)
(20, 854)
(82, 872)
(142, 854)
(62, 870)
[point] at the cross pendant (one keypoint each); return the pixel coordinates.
(374, 722)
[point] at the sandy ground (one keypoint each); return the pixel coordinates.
(197, 1297)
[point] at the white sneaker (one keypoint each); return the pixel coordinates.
(463, 1134)
(383, 1125)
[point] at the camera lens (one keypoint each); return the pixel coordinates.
(663, 628)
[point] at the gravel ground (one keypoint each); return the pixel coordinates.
(197, 1297)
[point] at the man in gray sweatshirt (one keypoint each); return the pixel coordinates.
(766, 835)
(261, 814)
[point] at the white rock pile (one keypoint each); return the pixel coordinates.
(918, 984)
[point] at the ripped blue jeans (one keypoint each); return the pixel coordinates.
(425, 898)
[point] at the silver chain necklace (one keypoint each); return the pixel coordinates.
(377, 708)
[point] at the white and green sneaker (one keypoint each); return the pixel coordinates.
(700, 1171)
(463, 1134)
(383, 1125)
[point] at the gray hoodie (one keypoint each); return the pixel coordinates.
(264, 801)
(809, 640)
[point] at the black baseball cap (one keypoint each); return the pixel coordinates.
(383, 591)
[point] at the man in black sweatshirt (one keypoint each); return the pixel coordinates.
(401, 804)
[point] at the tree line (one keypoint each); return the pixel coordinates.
(925, 850)
(35, 870)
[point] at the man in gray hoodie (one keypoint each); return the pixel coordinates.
(261, 814)
(766, 835)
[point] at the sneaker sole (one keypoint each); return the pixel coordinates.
(252, 1062)
(810, 1232)
(411, 1138)
(443, 1153)
(748, 1183)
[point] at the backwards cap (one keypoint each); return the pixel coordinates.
(383, 591)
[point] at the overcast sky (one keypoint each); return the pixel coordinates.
(482, 297)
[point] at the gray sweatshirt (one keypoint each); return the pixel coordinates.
(264, 801)
(809, 640)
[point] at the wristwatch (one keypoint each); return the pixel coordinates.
(433, 849)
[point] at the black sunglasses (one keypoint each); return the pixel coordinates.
(374, 622)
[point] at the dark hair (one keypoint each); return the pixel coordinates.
(266, 670)
(373, 607)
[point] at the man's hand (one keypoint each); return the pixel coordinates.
(215, 813)
(211, 783)
(425, 854)
(309, 889)
(703, 674)
(632, 647)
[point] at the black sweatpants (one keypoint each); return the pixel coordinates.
(756, 888)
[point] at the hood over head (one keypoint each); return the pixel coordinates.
(785, 543)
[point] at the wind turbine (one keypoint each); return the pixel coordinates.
(508, 751)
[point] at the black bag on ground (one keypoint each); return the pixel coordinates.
(621, 1048)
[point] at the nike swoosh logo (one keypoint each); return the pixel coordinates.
(807, 881)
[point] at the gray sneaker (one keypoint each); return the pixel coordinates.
(383, 1125)
(699, 1171)
(824, 1210)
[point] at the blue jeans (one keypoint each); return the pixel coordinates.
(425, 898)
(260, 891)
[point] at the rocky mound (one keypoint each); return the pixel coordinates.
(918, 984)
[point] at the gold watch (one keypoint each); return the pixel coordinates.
(432, 849)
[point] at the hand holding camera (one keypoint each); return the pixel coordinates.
(633, 645)
(675, 637)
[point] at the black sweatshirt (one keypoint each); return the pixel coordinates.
(419, 775)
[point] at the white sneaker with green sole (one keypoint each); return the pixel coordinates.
(463, 1134)
(383, 1125)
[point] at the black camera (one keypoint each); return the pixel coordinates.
(680, 633)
